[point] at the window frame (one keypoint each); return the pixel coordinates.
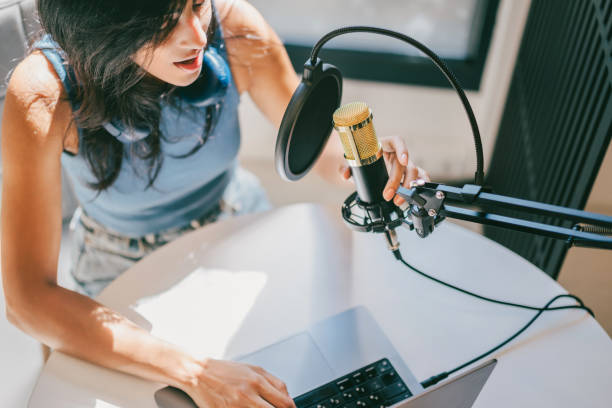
(407, 69)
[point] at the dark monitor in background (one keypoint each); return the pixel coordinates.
(557, 123)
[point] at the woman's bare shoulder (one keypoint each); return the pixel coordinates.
(34, 81)
(36, 99)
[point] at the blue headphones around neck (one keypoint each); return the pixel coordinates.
(210, 87)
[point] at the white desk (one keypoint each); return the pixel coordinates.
(260, 278)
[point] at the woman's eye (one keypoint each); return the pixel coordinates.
(198, 5)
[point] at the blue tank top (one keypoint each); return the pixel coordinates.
(185, 188)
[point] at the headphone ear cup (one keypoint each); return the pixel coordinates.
(212, 83)
(126, 135)
(209, 89)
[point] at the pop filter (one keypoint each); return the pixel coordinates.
(307, 122)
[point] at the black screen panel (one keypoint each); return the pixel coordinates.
(557, 121)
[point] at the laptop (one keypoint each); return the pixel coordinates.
(346, 361)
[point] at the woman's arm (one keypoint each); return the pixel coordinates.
(262, 67)
(258, 58)
(36, 117)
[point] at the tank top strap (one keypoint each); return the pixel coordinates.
(54, 54)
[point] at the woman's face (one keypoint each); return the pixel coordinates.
(178, 60)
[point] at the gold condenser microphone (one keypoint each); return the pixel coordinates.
(363, 152)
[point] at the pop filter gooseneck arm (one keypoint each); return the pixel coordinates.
(479, 176)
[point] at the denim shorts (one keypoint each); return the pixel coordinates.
(100, 255)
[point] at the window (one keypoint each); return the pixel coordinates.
(457, 30)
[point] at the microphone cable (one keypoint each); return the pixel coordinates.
(439, 377)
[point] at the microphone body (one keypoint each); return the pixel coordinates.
(370, 180)
(364, 154)
(362, 151)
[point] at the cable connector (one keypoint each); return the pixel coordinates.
(434, 380)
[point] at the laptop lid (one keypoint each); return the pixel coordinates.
(457, 392)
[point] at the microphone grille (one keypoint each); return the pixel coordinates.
(351, 114)
(361, 142)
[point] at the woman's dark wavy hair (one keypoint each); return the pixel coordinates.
(99, 37)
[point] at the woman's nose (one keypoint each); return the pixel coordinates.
(195, 36)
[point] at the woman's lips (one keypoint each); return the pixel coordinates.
(191, 64)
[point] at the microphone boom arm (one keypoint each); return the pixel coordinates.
(428, 207)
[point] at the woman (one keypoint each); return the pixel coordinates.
(137, 100)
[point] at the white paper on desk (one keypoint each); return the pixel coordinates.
(202, 312)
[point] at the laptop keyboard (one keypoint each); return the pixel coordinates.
(376, 385)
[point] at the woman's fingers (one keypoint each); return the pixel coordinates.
(396, 145)
(395, 178)
(399, 166)
(262, 403)
(345, 171)
(272, 395)
(411, 173)
(275, 382)
(397, 160)
(230, 384)
(272, 389)
(423, 174)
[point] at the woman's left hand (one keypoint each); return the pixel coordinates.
(399, 166)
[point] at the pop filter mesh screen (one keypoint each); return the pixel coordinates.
(313, 125)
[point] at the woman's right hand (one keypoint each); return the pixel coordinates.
(229, 384)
